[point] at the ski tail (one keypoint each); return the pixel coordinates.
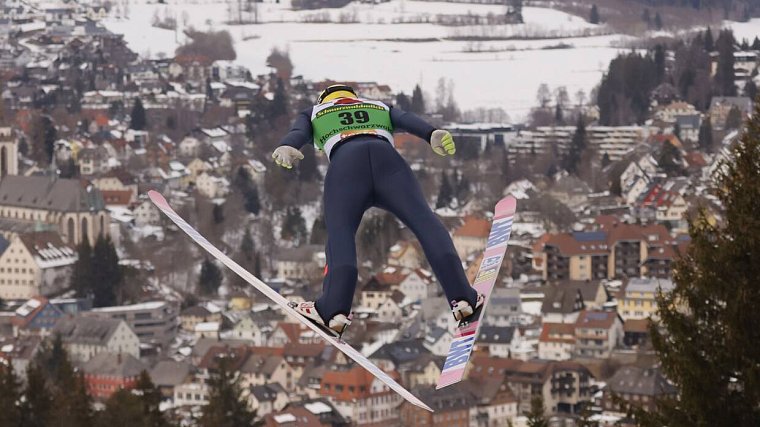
(496, 248)
(262, 287)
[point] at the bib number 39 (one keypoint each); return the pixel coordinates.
(359, 116)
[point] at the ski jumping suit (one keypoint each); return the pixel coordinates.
(365, 170)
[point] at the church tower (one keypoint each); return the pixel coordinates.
(8, 153)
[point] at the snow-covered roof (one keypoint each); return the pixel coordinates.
(152, 305)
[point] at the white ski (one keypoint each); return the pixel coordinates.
(262, 287)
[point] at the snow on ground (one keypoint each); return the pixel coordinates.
(744, 30)
(492, 74)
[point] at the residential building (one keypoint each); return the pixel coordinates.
(19, 352)
(35, 263)
(107, 373)
(168, 374)
(154, 322)
(438, 341)
(74, 208)
(267, 398)
(597, 333)
(390, 310)
(720, 106)
(482, 134)
(191, 394)
(146, 213)
(614, 251)
(638, 298)
(638, 387)
(212, 186)
(84, 337)
(615, 141)
(406, 254)
(499, 341)
(562, 305)
(361, 397)
(669, 113)
(418, 285)
(557, 341)
(452, 407)
(471, 236)
(250, 327)
(37, 316)
(505, 307)
(663, 202)
(196, 314)
(378, 289)
(308, 413)
(302, 263)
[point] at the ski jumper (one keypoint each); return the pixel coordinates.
(366, 171)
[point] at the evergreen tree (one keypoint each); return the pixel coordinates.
(594, 15)
(38, 399)
(558, 115)
(750, 89)
(252, 202)
(122, 409)
(536, 417)
(210, 278)
(107, 275)
(403, 102)
(418, 102)
(709, 42)
(445, 193)
(138, 119)
(724, 75)
(647, 18)
(151, 398)
(247, 245)
(584, 418)
(217, 213)
(657, 21)
(318, 231)
(10, 397)
(279, 104)
(606, 160)
(756, 43)
(226, 405)
(257, 265)
(734, 118)
(677, 130)
(705, 135)
(42, 137)
(82, 279)
(659, 62)
(307, 168)
(707, 340)
(577, 147)
(670, 159)
(294, 226)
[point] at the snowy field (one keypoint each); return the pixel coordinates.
(489, 74)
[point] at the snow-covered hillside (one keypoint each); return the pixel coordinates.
(495, 73)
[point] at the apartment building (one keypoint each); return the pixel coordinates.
(637, 300)
(35, 263)
(155, 322)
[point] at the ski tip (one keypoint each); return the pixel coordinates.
(424, 406)
(508, 203)
(156, 197)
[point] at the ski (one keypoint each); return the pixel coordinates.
(467, 330)
(262, 287)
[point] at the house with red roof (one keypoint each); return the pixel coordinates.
(597, 333)
(361, 397)
(471, 236)
(557, 341)
(37, 316)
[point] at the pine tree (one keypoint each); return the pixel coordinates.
(536, 417)
(10, 397)
(606, 160)
(445, 193)
(657, 21)
(82, 279)
(677, 130)
(670, 159)
(150, 399)
(38, 399)
(247, 245)
(724, 75)
(707, 340)
(403, 102)
(750, 89)
(318, 231)
(577, 147)
(418, 101)
(123, 409)
(584, 419)
(107, 274)
(252, 202)
(709, 41)
(217, 212)
(138, 119)
(756, 43)
(734, 118)
(594, 15)
(210, 278)
(226, 406)
(279, 104)
(647, 18)
(294, 226)
(705, 135)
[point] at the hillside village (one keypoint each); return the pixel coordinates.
(89, 127)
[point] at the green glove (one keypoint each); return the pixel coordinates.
(286, 155)
(442, 142)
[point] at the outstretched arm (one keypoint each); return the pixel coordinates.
(440, 140)
(300, 133)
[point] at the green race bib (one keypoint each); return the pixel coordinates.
(334, 121)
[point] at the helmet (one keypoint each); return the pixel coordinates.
(334, 89)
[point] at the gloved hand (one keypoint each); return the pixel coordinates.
(442, 142)
(286, 155)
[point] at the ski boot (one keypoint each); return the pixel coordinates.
(463, 311)
(336, 326)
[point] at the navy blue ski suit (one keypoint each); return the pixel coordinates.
(367, 171)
